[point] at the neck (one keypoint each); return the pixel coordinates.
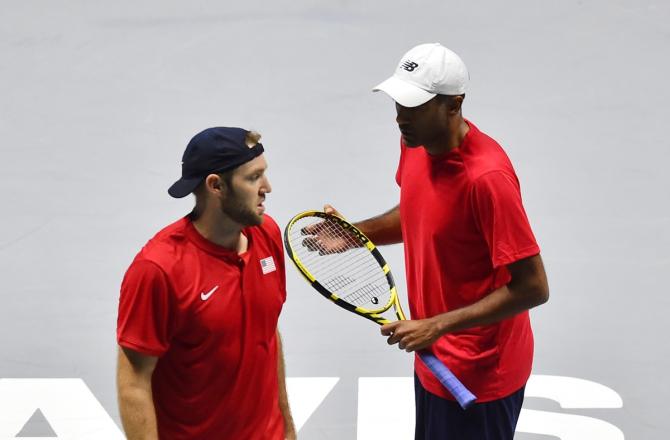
(218, 228)
(450, 138)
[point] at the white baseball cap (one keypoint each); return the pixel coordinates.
(423, 72)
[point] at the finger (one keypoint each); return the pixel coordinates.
(313, 229)
(418, 345)
(389, 329)
(422, 345)
(395, 338)
(407, 343)
(312, 244)
(329, 209)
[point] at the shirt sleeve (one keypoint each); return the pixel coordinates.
(499, 212)
(146, 316)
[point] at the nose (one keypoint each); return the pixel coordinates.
(266, 187)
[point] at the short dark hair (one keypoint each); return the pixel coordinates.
(226, 176)
(450, 97)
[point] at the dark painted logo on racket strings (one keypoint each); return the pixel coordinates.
(409, 66)
(374, 300)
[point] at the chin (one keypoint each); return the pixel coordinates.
(255, 220)
(410, 143)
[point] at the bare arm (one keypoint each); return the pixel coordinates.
(528, 288)
(136, 404)
(289, 426)
(382, 229)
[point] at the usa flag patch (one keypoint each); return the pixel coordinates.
(268, 265)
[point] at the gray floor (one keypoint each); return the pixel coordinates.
(99, 99)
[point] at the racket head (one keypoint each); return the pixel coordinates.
(341, 263)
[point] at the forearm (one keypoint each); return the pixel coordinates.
(136, 405)
(528, 288)
(383, 229)
(494, 307)
(289, 427)
(137, 412)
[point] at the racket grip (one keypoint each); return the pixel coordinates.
(462, 395)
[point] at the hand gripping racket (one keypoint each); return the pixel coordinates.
(343, 265)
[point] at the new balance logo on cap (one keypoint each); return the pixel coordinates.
(409, 66)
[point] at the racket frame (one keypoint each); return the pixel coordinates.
(373, 315)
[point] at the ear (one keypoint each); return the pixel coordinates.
(214, 184)
(455, 104)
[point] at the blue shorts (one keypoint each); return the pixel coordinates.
(442, 419)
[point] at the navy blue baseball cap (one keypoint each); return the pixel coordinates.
(214, 150)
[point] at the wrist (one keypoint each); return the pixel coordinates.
(442, 324)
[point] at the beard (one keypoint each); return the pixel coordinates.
(234, 207)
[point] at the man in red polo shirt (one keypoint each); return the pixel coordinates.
(200, 356)
(473, 265)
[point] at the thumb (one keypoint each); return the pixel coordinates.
(328, 209)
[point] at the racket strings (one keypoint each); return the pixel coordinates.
(328, 251)
(357, 259)
(338, 282)
(368, 293)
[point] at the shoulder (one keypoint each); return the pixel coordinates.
(270, 225)
(166, 247)
(495, 181)
(145, 268)
(270, 233)
(484, 155)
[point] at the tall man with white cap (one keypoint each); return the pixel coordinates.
(200, 356)
(472, 262)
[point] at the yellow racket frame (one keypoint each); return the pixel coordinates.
(373, 315)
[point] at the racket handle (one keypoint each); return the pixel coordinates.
(464, 397)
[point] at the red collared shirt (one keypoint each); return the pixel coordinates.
(462, 222)
(210, 315)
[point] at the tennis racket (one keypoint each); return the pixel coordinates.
(343, 265)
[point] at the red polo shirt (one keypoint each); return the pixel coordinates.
(210, 315)
(462, 223)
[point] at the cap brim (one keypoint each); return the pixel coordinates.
(404, 93)
(183, 187)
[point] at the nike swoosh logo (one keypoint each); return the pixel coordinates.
(205, 296)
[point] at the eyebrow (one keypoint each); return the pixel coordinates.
(259, 169)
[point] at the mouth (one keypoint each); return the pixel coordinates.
(261, 207)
